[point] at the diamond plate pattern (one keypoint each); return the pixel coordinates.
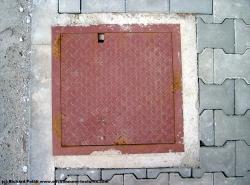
(117, 91)
(120, 92)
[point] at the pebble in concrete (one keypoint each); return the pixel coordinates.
(242, 96)
(242, 39)
(217, 96)
(147, 5)
(69, 6)
(207, 127)
(162, 179)
(116, 180)
(154, 172)
(220, 179)
(191, 6)
(91, 6)
(109, 173)
(216, 35)
(206, 62)
(238, 9)
(231, 66)
(94, 174)
(231, 127)
(175, 179)
(242, 158)
(214, 159)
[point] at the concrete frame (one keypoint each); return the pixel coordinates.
(42, 161)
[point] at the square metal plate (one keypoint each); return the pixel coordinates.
(117, 87)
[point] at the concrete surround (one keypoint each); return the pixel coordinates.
(41, 129)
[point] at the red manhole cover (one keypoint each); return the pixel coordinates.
(117, 89)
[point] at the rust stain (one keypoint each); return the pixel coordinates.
(177, 86)
(121, 141)
(57, 126)
(56, 49)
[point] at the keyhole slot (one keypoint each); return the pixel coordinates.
(101, 37)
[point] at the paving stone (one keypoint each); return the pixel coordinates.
(175, 179)
(70, 180)
(207, 127)
(116, 180)
(206, 18)
(231, 127)
(162, 179)
(231, 66)
(191, 6)
(94, 174)
(109, 173)
(216, 35)
(215, 65)
(40, 138)
(41, 27)
(231, 9)
(217, 96)
(242, 158)
(217, 159)
(242, 96)
(147, 5)
(154, 172)
(91, 6)
(206, 65)
(242, 39)
(220, 179)
(69, 6)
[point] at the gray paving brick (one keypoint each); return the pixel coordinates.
(231, 9)
(216, 66)
(217, 159)
(207, 128)
(43, 14)
(231, 66)
(228, 9)
(242, 96)
(191, 6)
(206, 179)
(70, 180)
(109, 173)
(242, 39)
(206, 65)
(217, 96)
(162, 179)
(206, 18)
(231, 127)
(69, 6)
(94, 174)
(147, 5)
(154, 172)
(220, 179)
(91, 6)
(242, 158)
(216, 35)
(116, 180)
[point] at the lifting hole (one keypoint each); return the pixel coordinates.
(101, 37)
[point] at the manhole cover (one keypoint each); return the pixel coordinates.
(117, 88)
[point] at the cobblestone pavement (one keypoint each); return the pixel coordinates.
(223, 39)
(15, 26)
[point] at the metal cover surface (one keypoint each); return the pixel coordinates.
(116, 88)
